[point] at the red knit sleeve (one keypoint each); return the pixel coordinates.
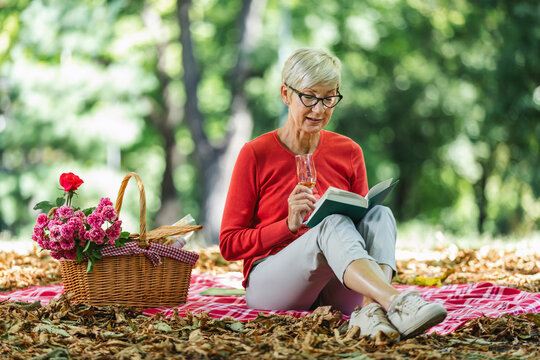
(238, 239)
(359, 181)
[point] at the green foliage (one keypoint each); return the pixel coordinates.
(46, 206)
(443, 95)
(88, 211)
(123, 239)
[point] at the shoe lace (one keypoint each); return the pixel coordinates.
(372, 315)
(409, 303)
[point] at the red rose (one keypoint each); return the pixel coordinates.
(70, 181)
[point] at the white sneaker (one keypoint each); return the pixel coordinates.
(371, 319)
(412, 315)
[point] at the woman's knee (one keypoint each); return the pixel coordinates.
(382, 214)
(336, 219)
(378, 227)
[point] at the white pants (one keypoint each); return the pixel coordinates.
(309, 271)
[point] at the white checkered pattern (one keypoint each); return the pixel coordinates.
(154, 252)
(463, 302)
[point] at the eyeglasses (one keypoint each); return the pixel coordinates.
(310, 100)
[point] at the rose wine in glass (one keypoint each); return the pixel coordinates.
(305, 170)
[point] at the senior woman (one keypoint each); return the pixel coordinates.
(290, 267)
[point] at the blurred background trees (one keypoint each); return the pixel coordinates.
(444, 95)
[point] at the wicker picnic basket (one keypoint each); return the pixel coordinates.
(134, 280)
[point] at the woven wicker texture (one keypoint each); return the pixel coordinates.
(131, 280)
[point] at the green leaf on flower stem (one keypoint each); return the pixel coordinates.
(125, 234)
(87, 246)
(90, 266)
(60, 201)
(45, 206)
(121, 241)
(79, 254)
(97, 255)
(91, 260)
(88, 211)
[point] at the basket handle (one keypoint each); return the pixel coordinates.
(143, 243)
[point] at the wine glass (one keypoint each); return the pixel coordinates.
(305, 170)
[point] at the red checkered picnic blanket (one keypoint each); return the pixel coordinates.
(464, 302)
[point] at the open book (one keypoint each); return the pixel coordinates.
(337, 201)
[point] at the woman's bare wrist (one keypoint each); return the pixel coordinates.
(289, 227)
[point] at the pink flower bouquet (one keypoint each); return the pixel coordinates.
(74, 234)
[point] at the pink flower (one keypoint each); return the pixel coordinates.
(55, 222)
(95, 220)
(113, 232)
(76, 223)
(39, 236)
(103, 203)
(97, 235)
(43, 243)
(54, 214)
(109, 213)
(57, 255)
(39, 239)
(42, 220)
(82, 239)
(67, 243)
(67, 230)
(54, 245)
(56, 233)
(80, 215)
(38, 231)
(64, 212)
(64, 254)
(71, 254)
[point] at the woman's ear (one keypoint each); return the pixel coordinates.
(285, 94)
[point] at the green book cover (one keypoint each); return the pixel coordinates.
(337, 201)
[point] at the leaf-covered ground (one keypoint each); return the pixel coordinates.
(60, 330)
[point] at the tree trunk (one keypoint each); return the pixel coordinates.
(171, 207)
(204, 152)
(480, 194)
(165, 117)
(215, 163)
(482, 203)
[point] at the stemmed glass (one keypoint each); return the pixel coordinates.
(305, 170)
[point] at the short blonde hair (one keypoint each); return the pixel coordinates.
(308, 67)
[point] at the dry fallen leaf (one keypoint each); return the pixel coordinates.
(61, 330)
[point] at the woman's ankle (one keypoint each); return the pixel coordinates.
(367, 301)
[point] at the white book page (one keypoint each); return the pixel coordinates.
(345, 197)
(379, 187)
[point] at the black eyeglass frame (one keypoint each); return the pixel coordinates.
(300, 95)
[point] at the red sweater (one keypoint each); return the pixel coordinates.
(254, 223)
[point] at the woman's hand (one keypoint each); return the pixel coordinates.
(301, 202)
